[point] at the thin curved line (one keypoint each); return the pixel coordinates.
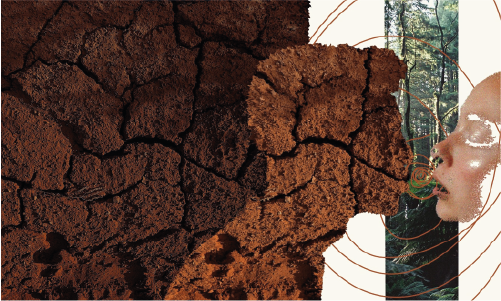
(487, 282)
(400, 256)
(497, 9)
(411, 238)
(422, 137)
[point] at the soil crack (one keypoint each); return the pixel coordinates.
(39, 36)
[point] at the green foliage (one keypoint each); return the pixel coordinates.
(446, 294)
(406, 285)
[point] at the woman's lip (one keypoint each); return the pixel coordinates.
(441, 194)
(436, 190)
(439, 189)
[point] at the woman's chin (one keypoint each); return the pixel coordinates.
(446, 210)
(450, 210)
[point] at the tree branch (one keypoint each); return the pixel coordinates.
(449, 112)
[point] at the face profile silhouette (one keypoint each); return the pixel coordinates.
(328, 146)
(469, 153)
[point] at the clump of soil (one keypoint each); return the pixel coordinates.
(173, 150)
(322, 155)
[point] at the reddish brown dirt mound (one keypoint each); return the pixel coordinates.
(327, 148)
(134, 168)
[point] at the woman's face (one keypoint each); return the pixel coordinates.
(469, 153)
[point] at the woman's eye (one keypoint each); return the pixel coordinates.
(477, 140)
(480, 135)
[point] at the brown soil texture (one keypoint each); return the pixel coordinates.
(326, 147)
(186, 150)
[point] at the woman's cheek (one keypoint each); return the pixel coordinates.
(476, 163)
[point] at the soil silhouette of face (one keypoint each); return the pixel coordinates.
(329, 146)
(469, 153)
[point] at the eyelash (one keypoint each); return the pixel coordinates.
(475, 144)
(485, 132)
(470, 140)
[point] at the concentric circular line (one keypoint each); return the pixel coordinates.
(419, 267)
(468, 228)
(481, 215)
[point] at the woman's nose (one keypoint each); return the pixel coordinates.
(442, 150)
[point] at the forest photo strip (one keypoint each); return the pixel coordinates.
(430, 85)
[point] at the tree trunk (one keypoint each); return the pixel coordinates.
(438, 130)
(403, 54)
(387, 21)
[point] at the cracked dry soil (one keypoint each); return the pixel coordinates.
(189, 150)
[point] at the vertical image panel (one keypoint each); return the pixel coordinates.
(421, 244)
